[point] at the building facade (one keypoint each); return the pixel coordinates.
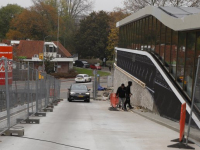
(160, 46)
(37, 51)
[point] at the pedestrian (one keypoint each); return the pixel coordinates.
(121, 93)
(128, 95)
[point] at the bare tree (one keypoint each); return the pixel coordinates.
(73, 8)
(185, 3)
(135, 5)
(78, 7)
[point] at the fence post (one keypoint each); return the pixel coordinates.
(36, 91)
(46, 85)
(54, 86)
(7, 92)
(28, 92)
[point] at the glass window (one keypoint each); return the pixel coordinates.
(139, 34)
(129, 35)
(134, 36)
(146, 34)
(197, 97)
(197, 48)
(174, 52)
(149, 33)
(168, 48)
(157, 50)
(189, 64)
(143, 33)
(132, 30)
(153, 34)
(181, 57)
(162, 41)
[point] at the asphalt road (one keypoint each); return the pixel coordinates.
(90, 126)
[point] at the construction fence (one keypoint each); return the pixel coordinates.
(24, 91)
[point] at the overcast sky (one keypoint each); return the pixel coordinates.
(106, 5)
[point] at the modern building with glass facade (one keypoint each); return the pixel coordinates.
(160, 46)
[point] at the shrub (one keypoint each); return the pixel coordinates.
(71, 74)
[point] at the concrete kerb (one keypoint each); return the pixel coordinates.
(194, 138)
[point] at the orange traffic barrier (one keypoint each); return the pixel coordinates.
(114, 100)
(182, 121)
(181, 140)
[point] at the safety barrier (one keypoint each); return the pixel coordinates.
(114, 100)
(22, 93)
(182, 141)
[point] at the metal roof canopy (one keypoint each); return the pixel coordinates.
(180, 12)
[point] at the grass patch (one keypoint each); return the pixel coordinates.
(90, 72)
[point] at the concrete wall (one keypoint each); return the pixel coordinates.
(140, 97)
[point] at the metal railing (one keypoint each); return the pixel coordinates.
(24, 91)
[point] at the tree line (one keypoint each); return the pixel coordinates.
(90, 34)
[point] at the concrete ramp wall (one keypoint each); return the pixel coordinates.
(141, 96)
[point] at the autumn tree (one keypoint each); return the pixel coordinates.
(71, 12)
(113, 37)
(35, 23)
(91, 39)
(7, 13)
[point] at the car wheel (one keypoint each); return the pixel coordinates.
(85, 80)
(69, 100)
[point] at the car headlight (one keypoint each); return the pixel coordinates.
(87, 93)
(72, 93)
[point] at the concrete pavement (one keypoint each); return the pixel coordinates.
(91, 126)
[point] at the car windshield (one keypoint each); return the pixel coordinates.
(85, 62)
(78, 87)
(79, 76)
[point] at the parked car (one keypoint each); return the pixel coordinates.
(95, 66)
(80, 63)
(79, 92)
(83, 78)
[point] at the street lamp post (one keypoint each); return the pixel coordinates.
(44, 48)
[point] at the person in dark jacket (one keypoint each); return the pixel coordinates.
(121, 93)
(128, 95)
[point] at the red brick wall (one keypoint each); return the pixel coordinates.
(64, 67)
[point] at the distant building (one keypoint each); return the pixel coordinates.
(54, 51)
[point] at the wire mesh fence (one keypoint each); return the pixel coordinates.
(23, 91)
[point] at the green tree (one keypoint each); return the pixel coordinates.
(7, 13)
(91, 38)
